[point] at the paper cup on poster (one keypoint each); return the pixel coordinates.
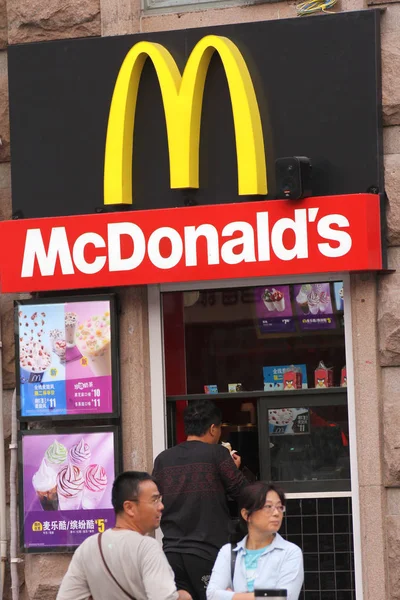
(71, 321)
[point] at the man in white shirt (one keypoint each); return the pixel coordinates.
(134, 564)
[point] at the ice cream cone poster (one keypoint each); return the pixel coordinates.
(313, 306)
(66, 481)
(274, 309)
(65, 357)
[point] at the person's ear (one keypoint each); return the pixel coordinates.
(245, 514)
(129, 508)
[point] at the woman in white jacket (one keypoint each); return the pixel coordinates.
(263, 559)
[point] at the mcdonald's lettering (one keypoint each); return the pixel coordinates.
(182, 96)
(237, 242)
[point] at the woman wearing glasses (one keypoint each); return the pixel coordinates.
(264, 560)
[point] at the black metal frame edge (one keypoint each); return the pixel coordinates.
(115, 374)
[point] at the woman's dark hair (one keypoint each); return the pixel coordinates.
(252, 497)
(199, 416)
(127, 487)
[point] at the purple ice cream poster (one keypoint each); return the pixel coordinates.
(67, 481)
(65, 358)
(313, 306)
(274, 310)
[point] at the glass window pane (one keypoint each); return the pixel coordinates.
(233, 336)
(319, 452)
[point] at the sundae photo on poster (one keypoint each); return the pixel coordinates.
(65, 363)
(274, 309)
(313, 305)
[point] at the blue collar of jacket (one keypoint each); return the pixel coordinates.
(278, 543)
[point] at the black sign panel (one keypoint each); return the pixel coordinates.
(317, 83)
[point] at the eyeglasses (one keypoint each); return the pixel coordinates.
(156, 500)
(269, 508)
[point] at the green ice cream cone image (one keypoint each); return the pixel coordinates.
(56, 456)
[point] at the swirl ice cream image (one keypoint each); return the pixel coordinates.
(35, 359)
(302, 297)
(79, 455)
(56, 456)
(71, 321)
(70, 483)
(95, 485)
(324, 300)
(44, 483)
(313, 302)
(93, 339)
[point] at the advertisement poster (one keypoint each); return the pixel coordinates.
(313, 306)
(65, 361)
(289, 421)
(338, 287)
(273, 377)
(274, 309)
(67, 481)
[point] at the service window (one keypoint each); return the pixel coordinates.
(273, 359)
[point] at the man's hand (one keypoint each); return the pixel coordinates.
(236, 459)
(184, 595)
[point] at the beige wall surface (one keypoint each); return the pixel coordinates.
(375, 300)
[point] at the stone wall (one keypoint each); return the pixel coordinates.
(375, 305)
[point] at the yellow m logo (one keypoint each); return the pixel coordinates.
(182, 96)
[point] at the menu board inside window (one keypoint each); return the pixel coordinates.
(67, 357)
(299, 308)
(65, 486)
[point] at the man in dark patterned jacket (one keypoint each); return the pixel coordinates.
(195, 478)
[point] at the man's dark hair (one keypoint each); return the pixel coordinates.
(199, 416)
(126, 487)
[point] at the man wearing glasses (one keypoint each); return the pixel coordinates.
(124, 562)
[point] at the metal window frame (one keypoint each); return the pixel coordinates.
(157, 380)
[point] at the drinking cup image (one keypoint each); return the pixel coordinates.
(267, 299)
(54, 335)
(71, 321)
(44, 483)
(95, 485)
(70, 483)
(302, 297)
(56, 456)
(278, 300)
(60, 347)
(93, 339)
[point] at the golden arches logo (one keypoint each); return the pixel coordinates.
(182, 96)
